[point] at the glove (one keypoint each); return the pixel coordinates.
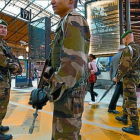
(13, 67)
(38, 98)
(47, 74)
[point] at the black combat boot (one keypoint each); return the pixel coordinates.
(133, 129)
(5, 136)
(4, 128)
(123, 119)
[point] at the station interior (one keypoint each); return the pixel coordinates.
(31, 28)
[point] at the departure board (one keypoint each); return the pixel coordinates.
(103, 20)
(40, 38)
(37, 43)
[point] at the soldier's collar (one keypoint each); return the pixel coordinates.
(63, 20)
(131, 43)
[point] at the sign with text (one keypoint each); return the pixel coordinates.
(103, 20)
(24, 14)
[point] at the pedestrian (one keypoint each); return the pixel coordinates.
(129, 71)
(6, 68)
(69, 59)
(119, 86)
(92, 78)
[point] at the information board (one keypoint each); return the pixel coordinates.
(103, 20)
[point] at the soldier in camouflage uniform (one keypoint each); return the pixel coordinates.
(69, 59)
(5, 79)
(129, 71)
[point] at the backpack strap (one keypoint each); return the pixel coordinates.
(91, 66)
(131, 50)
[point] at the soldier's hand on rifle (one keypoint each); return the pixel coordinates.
(47, 74)
(115, 79)
(14, 67)
(38, 98)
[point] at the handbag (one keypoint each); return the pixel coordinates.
(92, 77)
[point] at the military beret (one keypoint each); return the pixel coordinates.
(3, 22)
(126, 33)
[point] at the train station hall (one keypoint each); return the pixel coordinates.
(69, 69)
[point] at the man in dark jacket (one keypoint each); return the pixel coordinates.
(119, 87)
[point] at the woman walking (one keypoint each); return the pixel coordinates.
(92, 78)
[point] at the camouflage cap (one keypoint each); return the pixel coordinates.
(3, 22)
(126, 33)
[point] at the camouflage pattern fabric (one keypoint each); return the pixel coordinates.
(130, 100)
(67, 116)
(4, 100)
(5, 84)
(69, 58)
(130, 74)
(3, 59)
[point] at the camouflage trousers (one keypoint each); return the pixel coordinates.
(4, 100)
(130, 100)
(67, 117)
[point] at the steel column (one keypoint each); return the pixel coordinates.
(121, 18)
(29, 54)
(127, 14)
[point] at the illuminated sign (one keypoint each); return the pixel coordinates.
(103, 20)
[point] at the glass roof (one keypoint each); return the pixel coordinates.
(39, 9)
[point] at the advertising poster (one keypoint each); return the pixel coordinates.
(22, 80)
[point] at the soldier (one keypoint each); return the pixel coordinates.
(129, 71)
(5, 80)
(70, 60)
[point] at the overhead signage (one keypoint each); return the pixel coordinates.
(24, 14)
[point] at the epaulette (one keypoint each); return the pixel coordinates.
(74, 13)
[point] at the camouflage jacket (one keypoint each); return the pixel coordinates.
(126, 66)
(4, 61)
(72, 40)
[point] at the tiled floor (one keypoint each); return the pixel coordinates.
(98, 124)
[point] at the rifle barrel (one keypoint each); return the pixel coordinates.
(33, 123)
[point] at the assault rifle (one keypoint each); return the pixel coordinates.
(38, 98)
(14, 59)
(105, 93)
(8, 53)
